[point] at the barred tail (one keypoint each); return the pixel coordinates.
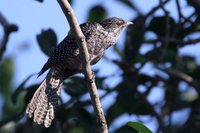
(45, 100)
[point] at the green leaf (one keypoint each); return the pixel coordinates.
(100, 82)
(139, 127)
(76, 117)
(75, 86)
(185, 31)
(125, 129)
(114, 112)
(97, 13)
(70, 1)
(129, 4)
(77, 130)
(19, 90)
(47, 41)
(139, 59)
(134, 39)
(159, 24)
(6, 75)
(143, 78)
(86, 120)
(127, 91)
(40, 0)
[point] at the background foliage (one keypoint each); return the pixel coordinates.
(177, 77)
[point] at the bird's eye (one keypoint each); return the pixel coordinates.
(119, 23)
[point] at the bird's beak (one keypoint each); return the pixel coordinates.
(129, 23)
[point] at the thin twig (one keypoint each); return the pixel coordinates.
(182, 76)
(179, 11)
(188, 19)
(156, 8)
(80, 39)
(163, 8)
(167, 29)
(195, 4)
(8, 28)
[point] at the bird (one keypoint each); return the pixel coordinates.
(65, 61)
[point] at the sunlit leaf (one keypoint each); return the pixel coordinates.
(125, 129)
(139, 127)
(47, 41)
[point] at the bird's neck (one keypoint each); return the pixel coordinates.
(111, 37)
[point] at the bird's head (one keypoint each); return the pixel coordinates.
(115, 24)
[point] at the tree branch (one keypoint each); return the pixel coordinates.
(180, 43)
(8, 28)
(195, 4)
(182, 76)
(156, 8)
(179, 11)
(80, 39)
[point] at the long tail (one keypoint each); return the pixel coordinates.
(45, 100)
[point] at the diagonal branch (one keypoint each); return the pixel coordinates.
(160, 5)
(8, 28)
(80, 39)
(180, 43)
(182, 76)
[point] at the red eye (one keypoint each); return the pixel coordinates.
(119, 23)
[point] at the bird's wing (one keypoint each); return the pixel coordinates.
(68, 47)
(65, 49)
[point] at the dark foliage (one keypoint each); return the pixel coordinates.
(177, 76)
